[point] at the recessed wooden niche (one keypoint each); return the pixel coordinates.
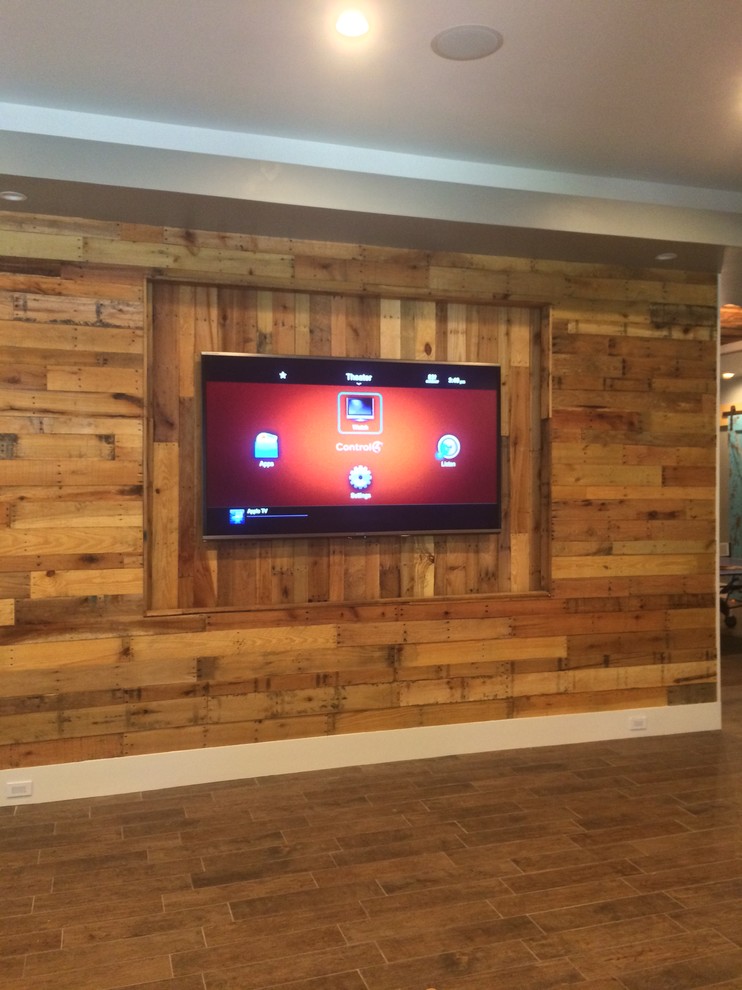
(186, 573)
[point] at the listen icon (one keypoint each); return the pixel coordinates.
(448, 446)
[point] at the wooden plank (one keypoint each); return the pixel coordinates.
(60, 584)
(57, 751)
(264, 322)
(79, 471)
(222, 643)
(29, 727)
(162, 574)
(118, 678)
(422, 631)
(417, 567)
(352, 662)
(302, 323)
(627, 565)
(182, 351)
(320, 332)
(70, 540)
(29, 424)
(26, 244)
(483, 651)
(201, 335)
(169, 257)
(43, 403)
(390, 330)
(589, 701)
(73, 446)
(105, 650)
(417, 329)
(456, 332)
(7, 611)
(237, 325)
(11, 220)
(168, 303)
(623, 493)
(54, 341)
(81, 310)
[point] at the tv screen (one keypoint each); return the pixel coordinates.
(320, 446)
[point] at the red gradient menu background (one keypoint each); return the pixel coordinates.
(310, 470)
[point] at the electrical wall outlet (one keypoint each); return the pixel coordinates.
(638, 723)
(18, 788)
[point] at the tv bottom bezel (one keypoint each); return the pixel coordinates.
(354, 521)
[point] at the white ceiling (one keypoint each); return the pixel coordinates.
(599, 126)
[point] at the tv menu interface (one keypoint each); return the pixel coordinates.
(318, 446)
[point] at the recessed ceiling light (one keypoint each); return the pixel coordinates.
(665, 256)
(352, 24)
(466, 42)
(12, 196)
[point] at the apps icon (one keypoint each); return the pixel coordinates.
(449, 446)
(236, 517)
(266, 446)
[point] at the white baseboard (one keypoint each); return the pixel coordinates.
(127, 774)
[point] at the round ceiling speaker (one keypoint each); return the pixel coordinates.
(466, 42)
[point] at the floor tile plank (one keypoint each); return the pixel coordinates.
(614, 865)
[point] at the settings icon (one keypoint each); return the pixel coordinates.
(359, 477)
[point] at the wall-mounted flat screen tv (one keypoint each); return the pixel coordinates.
(319, 446)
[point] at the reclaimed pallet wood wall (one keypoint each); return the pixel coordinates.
(121, 634)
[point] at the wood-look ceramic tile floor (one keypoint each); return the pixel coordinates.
(606, 866)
